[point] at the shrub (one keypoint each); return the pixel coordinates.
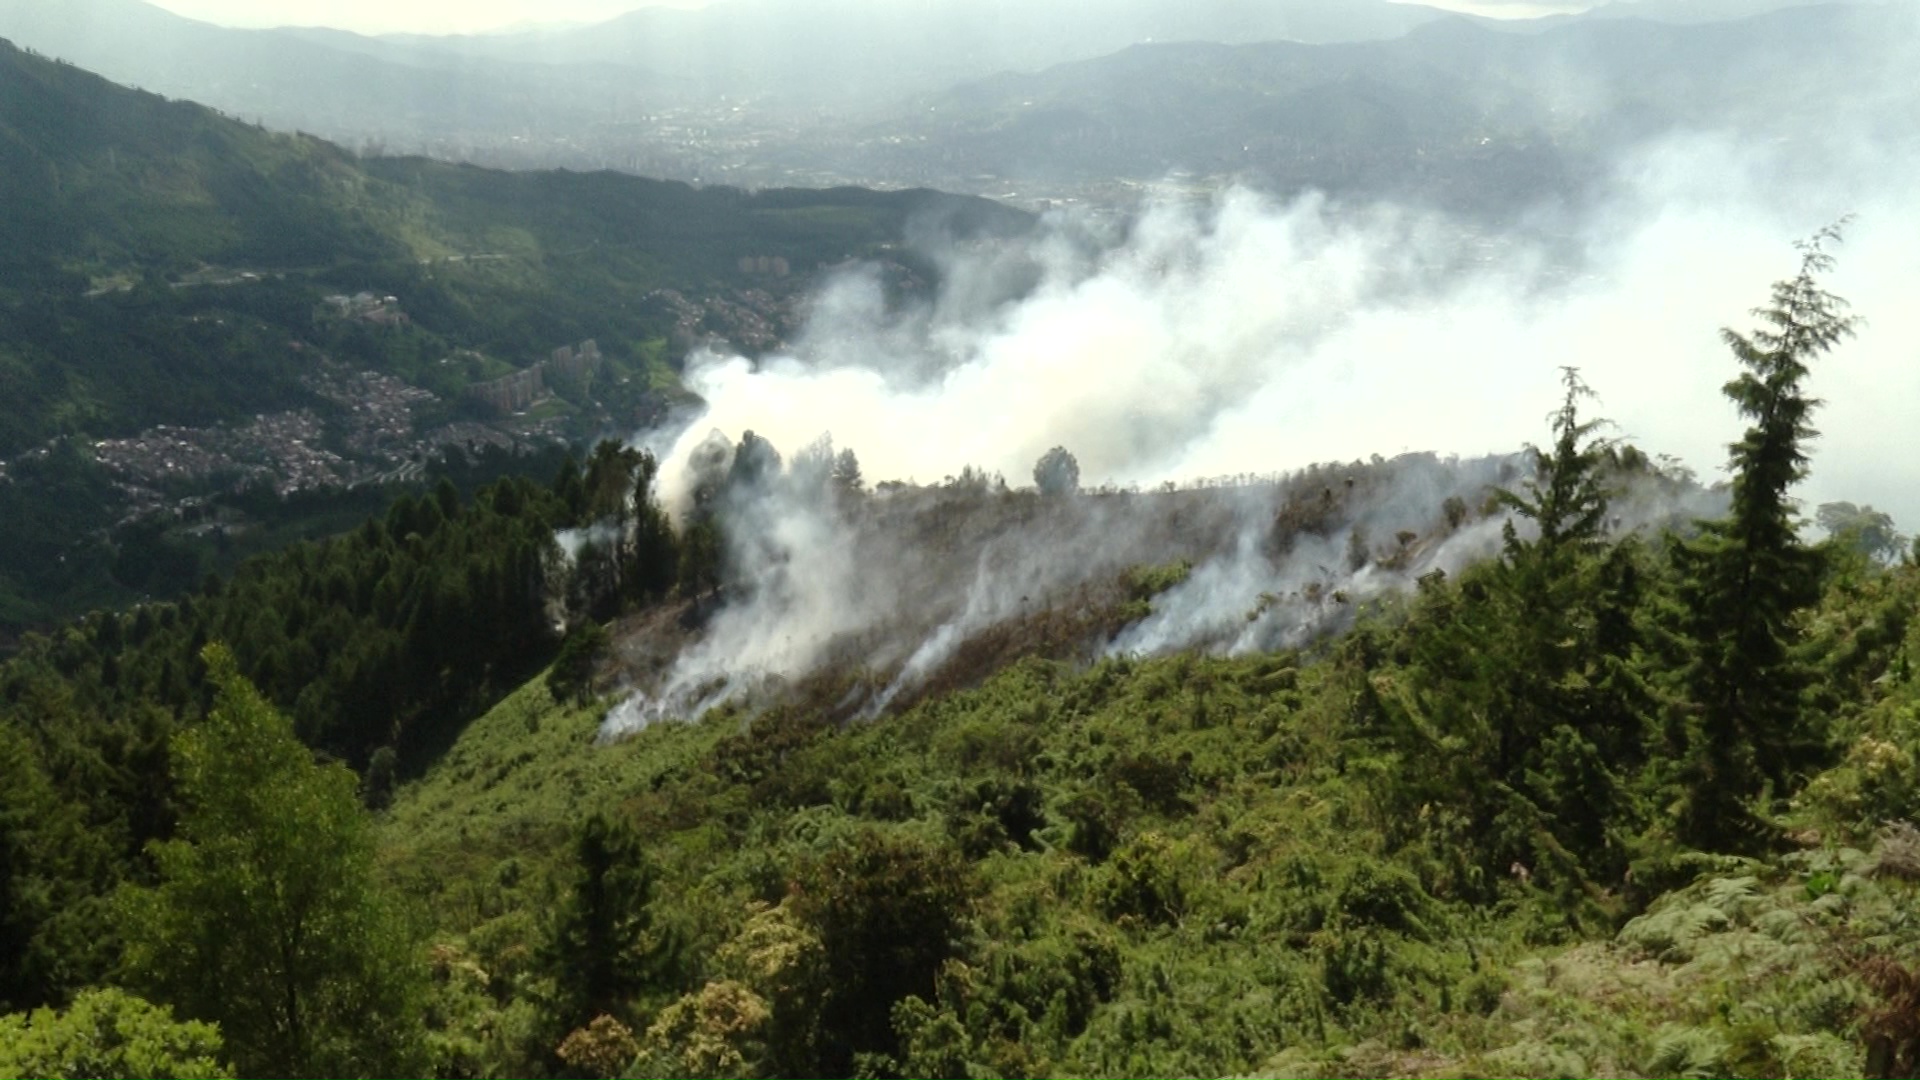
(602, 1048)
(109, 1033)
(888, 911)
(1143, 882)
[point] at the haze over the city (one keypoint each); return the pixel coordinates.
(410, 16)
(482, 16)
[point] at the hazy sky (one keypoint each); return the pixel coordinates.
(473, 16)
(412, 16)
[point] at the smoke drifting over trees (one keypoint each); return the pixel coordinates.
(1247, 335)
(1239, 337)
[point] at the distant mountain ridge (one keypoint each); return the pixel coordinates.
(1354, 97)
(105, 178)
(1454, 111)
(302, 81)
(1357, 97)
(115, 179)
(820, 51)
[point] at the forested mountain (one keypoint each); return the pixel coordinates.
(110, 181)
(1531, 769)
(166, 332)
(698, 755)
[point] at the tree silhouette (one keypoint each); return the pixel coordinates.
(846, 473)
(1862, 529)
(1057, 472)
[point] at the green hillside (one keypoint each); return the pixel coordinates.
(1173, 867)
(107, 181)
(1269, 865)
(1606, 801)
(1544, 764)
(164, 266)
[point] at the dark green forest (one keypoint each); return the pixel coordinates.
(1605, 803)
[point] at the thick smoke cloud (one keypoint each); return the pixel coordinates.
(1249, 336)
(1252, 336)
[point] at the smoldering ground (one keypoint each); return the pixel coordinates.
(905, 590)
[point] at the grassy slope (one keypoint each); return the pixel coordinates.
(1248, 915)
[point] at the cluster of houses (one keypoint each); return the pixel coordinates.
(283, 449)
(378, 409)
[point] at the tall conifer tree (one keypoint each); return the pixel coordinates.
(602, 949)
(1746, 577)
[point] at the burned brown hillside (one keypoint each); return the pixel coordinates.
(864, 601)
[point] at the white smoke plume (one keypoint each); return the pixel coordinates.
(1252, 336)
(572, 542)
(1248, 336)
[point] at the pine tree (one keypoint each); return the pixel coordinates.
(846, 474)
(1527, 687)
(655, 549)
(28, 803)
(1574, 734)
(602, 949)
(1746, 577)
(1567, 499)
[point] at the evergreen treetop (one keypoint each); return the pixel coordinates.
(1746, 577)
